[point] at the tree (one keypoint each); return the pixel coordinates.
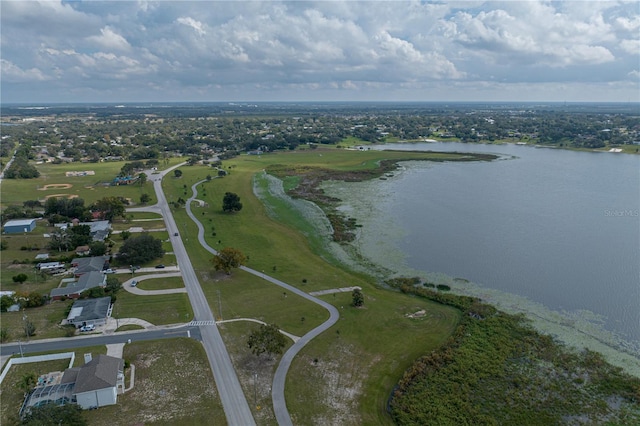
(54, 415)
(231, 202)
(98, 248)
(140, 249)
(357, 298)
(113, 286)
(125, 235)
(5, 302)
(145, 198)
(4, 244)
(142, 178)
(79, 235)
(266, 339)
(27, 382)
(60, 240)
(109, 207)
(228, 258)
(177, 173)
(4, 334)
(20, 278)
(29, 328)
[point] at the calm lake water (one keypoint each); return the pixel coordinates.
(559, 228)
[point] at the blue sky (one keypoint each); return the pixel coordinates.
(144, 51)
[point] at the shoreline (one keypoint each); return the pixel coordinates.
(534, 145)
(577, 329)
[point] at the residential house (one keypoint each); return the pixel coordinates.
(95, 384)
(73, 289)
(83, 265)
(83, 250)
(98, 229)
(89, 312)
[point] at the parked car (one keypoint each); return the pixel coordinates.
(109, 271)
(88, 327)
(134, 283)
(160, 266)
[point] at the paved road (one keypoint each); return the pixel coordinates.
(137, 290)
(277, 389)
(97, 339)
(233, 400)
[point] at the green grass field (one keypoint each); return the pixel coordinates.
(161, 283)
(377, 340)
(359, 360)
(157, 309)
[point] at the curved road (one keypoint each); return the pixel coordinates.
(277, 390)
(234, 403)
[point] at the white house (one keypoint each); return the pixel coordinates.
(95, 384)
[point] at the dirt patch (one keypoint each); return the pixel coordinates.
(56, 186)
(418, 314)
(61, 196)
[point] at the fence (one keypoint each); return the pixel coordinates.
(37, 358)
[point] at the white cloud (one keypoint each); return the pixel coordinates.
(109, 39)
(14, 74)
(632, 47)
(402, 48)
(197, 26)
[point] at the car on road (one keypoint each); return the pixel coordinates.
(134, 283)
(88, 327)
(160, 266)
(109, 271)
(175, 234)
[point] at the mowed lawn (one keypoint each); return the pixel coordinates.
(157, 309)
(161, 283)
(46, 320)
(90, 188)
(354, 365)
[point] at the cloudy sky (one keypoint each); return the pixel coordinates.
(132, 51)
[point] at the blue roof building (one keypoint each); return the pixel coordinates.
(18, 226)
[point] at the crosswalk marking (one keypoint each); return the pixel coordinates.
(199, 323)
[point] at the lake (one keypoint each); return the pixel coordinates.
(553, 233)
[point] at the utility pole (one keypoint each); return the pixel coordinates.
(255, 390)
(26, 329)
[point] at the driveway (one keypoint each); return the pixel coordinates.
(136, 290)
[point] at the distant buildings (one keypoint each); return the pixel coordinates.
(99, 229)
(17, 226)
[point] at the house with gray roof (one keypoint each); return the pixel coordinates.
(98, 229)
(73, 289)
(95, 384)
(83, 265)
(90, 312)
